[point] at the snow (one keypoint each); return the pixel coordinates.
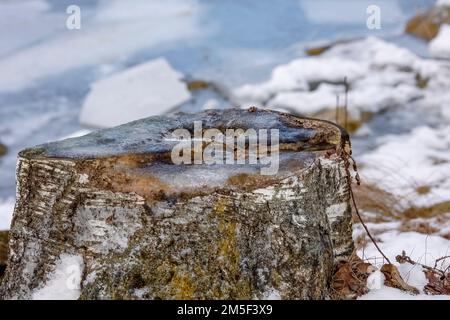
(440, 46)
(322, 98)
(402, 163)
(64, 281)
(421, 248)
(443, 3)
(388, 293)
(381, 76)
(148, 89)
(6, 212)
(114, 32)
(272, 294)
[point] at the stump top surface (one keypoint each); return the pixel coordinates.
(152, 135)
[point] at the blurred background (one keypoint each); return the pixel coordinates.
(70, 67)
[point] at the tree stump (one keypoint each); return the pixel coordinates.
(137, 226)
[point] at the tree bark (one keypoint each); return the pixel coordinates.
(144, 228)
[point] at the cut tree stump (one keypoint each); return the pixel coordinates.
(137, 226)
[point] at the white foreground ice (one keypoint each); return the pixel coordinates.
(148, 89)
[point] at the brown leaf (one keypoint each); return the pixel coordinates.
(393, 279)
(437, 283)
(350, 280)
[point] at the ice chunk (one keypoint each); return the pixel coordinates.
(76, 134)
(148, 89)
(440, 46)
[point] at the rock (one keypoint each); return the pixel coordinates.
(426, 25)
(3, 150)
(194, 85)
(3, 252)
(148, 89)
(112, 207)
(319, 49)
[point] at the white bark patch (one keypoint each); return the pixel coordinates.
(336, 210)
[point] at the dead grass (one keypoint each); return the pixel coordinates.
(418, 226)
(370, 198)
(427, 212)
(423, 190)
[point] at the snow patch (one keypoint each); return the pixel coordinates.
(6, 213)
(381, 75)
(443, 3)
(402, 163)
(64, 281)
(271, 294)
(440, 46)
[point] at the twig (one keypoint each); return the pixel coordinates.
(346, 104)
(337, 110)
(404, 258)
(367, 230)
(440, 259)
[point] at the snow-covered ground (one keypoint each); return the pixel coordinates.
(251, 54)
(6, 212)
(440, 46)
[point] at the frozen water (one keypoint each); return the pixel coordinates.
(148, 89)
(149, 135)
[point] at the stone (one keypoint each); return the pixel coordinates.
(113, 207)
(3, 149)
(426, 25)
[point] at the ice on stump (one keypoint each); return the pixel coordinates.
(146, 228)
(148, 89)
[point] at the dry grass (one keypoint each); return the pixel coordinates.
(370, 198)
(427, 212)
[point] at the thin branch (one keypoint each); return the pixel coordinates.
(367, 230)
